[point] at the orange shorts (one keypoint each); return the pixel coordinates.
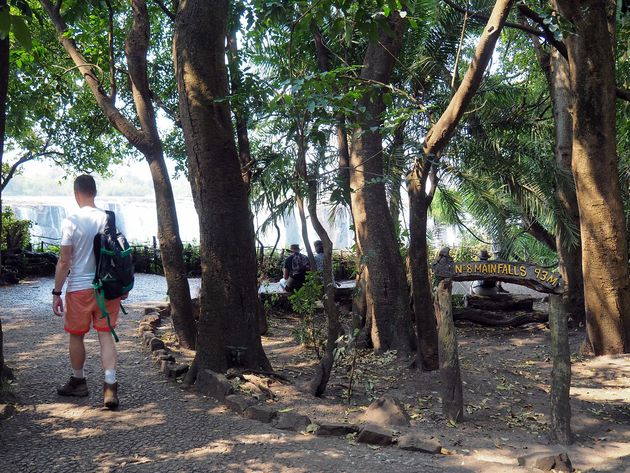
(82, 310)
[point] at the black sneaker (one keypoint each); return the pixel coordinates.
(74, 387)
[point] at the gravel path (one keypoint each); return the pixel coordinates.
(158, 427)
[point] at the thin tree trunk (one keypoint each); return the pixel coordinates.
(560, 372)
(387, 293)
(146, 140)
(303, 225)
(300, 169)
(437, 138)
(596, 174)
(452, 396)
(396, 163)
(359, 303)
(228, 333)
(240, 113)
(569, 257)
(320, 381)
(426, 329)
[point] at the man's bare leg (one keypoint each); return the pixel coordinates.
(108, 352)
(108, 361)
(77, 351)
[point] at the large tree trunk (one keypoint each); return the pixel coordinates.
(387, 293)
(4, 89)
(569, 257)
(228, 333)
(596, 174)
(146, 140)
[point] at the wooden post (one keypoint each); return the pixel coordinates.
(452, 398)
(560, 372)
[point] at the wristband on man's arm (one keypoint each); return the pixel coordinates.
(56, 293)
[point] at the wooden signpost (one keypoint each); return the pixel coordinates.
(524, 274)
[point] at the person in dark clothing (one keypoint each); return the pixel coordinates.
(319, 256)
(484, 287)
(295, 268)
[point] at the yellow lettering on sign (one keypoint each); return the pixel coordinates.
(493, 268)
(552, 279)
(458, 268)
(523, 271)
(477, 268)
(484, 268)
(469, 268)
(510, 269)
(537, 272)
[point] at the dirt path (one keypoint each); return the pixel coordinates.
(159, 427)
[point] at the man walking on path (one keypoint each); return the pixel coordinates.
(76, 257)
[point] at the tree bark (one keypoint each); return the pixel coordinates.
(228, 334)
(387, 293)
(4, 89)
(240, 114)
(452, 396)
(569, 257)
(323, 370)
(396, 164)
(596, 174)
(560, 372)
(359, 304)
(146, 140)
(426, 329)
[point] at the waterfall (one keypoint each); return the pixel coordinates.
(136, 217)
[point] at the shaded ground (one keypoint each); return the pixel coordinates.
(161, 428)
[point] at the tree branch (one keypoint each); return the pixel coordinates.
(118, 121)
(623, 94)
(110, 37)
(440, 133)
(24, 159)
(165, 9)
(136, 47)
(173, 114)
(535, 229)
(545, 33)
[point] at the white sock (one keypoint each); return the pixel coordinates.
(110, 376)
(78, 373)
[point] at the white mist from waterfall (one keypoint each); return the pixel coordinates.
(136, 217)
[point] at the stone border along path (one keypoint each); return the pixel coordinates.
(158, 427)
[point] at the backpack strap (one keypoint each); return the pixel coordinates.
(100, 301)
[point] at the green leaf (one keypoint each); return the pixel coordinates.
(5, 22)
(387, 99)
(22, 32)
(386, 10)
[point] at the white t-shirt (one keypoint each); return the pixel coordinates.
(78, 231)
